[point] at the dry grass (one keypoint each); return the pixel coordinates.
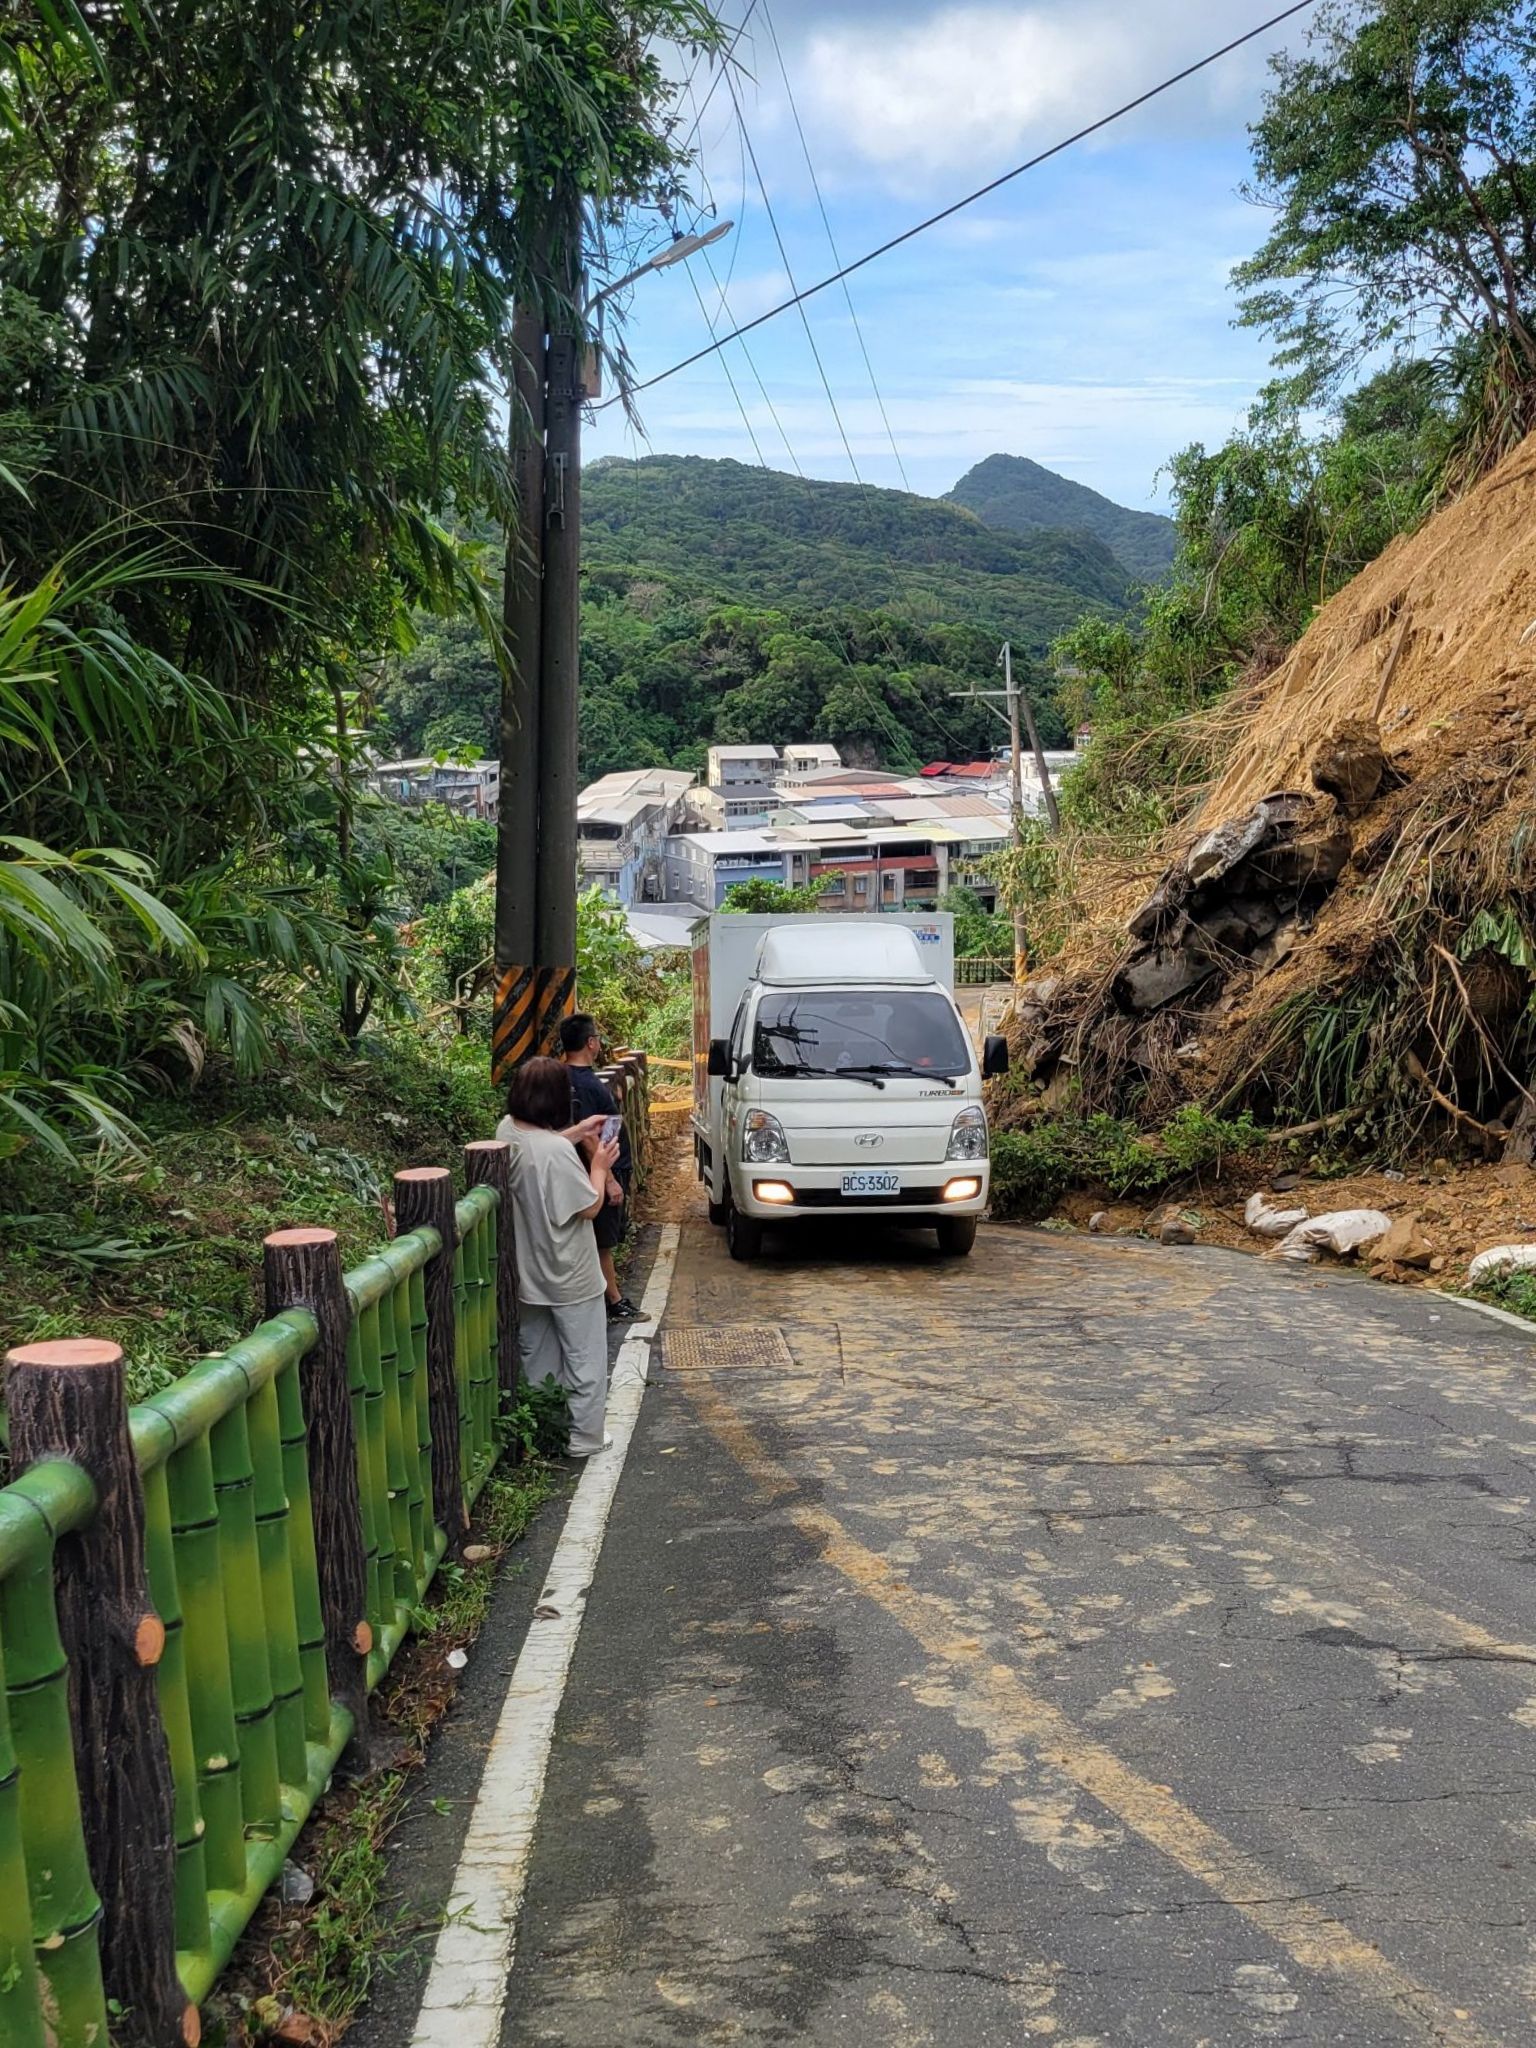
(1410, 986)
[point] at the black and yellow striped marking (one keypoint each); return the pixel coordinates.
(530, 1003)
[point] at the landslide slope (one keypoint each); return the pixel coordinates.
(1347, 928)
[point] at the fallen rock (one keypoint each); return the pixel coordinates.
(1177, 1228)
(1312, 859)
(477, 1553)
(1220, 851)
(1160, 976)
(1350, 763)
(1099, 1221)
(1266, 1221)
(1502, 1258)
(1341, 1232)
(1404, 1245)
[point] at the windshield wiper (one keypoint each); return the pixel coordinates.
(915, 1073)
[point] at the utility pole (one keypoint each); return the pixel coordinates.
(560, 642)
(1019, 712)
(536, 849)
(535, 921)
(517, 828)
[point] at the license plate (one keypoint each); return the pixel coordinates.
(871, 1183)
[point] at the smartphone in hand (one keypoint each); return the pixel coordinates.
(612, 1125)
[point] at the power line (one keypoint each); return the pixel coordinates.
(981, 192)
(805, 150)
(725, 365)
(821, 371)
(876, 702)
(714, 87)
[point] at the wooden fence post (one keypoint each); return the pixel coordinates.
(69, 1400)
(302, 1269)
(488, 1163)
(424, 1197)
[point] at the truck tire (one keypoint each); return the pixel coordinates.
(743, 1234)
(956, 1235)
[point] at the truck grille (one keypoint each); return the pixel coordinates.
(834, 1198)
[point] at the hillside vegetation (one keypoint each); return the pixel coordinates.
(1019, 496)
(730, 603)
(731, 532)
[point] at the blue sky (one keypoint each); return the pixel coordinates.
(1081, 316)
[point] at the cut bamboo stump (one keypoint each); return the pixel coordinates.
(424, 1198)
(69, 1400)
(488, 1163)
(302, 1269)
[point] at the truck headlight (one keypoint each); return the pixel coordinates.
(968, 1134)
(764, 1143)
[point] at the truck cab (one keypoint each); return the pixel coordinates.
(845, 1083)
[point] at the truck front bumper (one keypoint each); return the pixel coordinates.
(957, 1188)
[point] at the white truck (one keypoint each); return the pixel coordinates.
(834, 1075)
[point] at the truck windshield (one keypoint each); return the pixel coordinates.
(844, 1031)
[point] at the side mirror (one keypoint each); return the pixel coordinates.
(719, 1059)
(994, 1056)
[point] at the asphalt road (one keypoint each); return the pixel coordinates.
(1085, 1643)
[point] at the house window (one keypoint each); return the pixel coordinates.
(861, 885)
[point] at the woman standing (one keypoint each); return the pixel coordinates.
(562, 1322)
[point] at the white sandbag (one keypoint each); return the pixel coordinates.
(1342, 1232)
(1266, 1221)
(1501, 1258)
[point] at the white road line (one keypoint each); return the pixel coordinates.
(466, 1992)
(1486, 1308)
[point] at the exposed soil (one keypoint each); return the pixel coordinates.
(673, 1192)
(1461, 1210)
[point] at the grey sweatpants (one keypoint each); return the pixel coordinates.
(570, 1344)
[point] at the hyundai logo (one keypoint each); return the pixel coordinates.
(869, 1138)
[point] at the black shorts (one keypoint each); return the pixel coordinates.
(608, 1223)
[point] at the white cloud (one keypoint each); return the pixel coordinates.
(970, 85)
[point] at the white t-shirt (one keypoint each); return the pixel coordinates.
(557, 1258)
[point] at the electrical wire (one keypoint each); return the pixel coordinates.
(981, 192)
(805, 320)
(805, 150)
(746, 418)
(714, 87)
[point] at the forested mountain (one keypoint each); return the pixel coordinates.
(1011, 492)
(725, 602)
(730, 531)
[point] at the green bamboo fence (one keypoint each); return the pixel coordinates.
(288, 1517)
(238, 1557)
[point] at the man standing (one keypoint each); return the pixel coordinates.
(581, 1046)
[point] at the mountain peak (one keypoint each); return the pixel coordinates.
(1020, 496)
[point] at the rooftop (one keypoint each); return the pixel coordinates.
(745, 753)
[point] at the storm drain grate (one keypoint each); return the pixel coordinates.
(726, 1347)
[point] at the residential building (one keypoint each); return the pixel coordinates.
(701, 866)
(807, 759)
(472, 788)
(622, 826)
(728, 765)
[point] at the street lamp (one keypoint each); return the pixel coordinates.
(678, 250)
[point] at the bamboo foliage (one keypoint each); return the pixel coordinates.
(235, 1574)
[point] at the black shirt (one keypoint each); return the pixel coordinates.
(591, 1096)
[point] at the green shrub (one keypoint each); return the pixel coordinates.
(1032, 1169)
(1514, 1291)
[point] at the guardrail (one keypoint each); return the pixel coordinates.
(980, 972)
(198, 1593)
